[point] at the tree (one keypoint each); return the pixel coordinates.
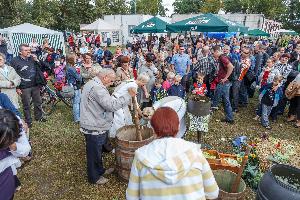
(211, 6)
(187, 6)
(291, 18)
(153, 7)
(14, 12)
(44, 12)
(272, 9)
(111, 7)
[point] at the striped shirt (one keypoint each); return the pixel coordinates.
(284, 70)
(171, 168)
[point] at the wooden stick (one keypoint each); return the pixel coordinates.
(239, 175)
(136, 120)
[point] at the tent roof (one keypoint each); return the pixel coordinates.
(153, 25)
(206, 23)
(288, 32)
(99, 25)
(29, 29)
(257, 32)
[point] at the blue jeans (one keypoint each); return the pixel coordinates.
(243, 93)
(265, 113)
(223, 91)
(76, 105)
(235, 94)
(94, 149)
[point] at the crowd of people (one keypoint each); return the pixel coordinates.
(150, 74)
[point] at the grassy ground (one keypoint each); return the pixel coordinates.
(58, 170)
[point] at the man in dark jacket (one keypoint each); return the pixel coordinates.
(3, 46)
(26, 66)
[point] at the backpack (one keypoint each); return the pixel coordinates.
(292, 90)
(234, 76)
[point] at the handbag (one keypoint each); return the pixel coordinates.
(68, 91)
(39, 78)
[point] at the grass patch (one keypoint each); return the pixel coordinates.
(58, 170)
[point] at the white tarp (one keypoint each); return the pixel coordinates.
(101, 26)
(284, 31)
(23, 34)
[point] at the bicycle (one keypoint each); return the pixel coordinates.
(50, 98)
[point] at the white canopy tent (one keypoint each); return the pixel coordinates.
(285, 31)
(100, 25)
(105, 29)
(24, 33)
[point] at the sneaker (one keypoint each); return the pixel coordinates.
(256, 118)
(214, 108)
(291, 118)
(227, 121)
(43, 119)
(109, 171)
(235, 110)
(29, 125)
(18, 188)
(268, 127)
(102, 180)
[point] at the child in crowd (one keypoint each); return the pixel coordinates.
(158, 92)
(59, 71)
(198, 87)
(177, 89)
(169, 81)
(268, 73)
(270, 95)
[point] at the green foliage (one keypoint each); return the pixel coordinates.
(153, 7)
(187, 6)
(272, 9)
(14, 12)
(211, 6)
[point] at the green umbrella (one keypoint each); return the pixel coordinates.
(206, 23)
(258, 32)
(153, 25)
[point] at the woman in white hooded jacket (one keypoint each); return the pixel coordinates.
(13, 144)
(122, 116)
(170, 168)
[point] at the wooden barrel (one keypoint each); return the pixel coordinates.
(225, 180)
(126, 145)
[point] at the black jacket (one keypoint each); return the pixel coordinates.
(26, 69)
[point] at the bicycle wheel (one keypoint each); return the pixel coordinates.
(67, 101)
(48, 106)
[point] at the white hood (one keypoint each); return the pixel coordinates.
(168, 158)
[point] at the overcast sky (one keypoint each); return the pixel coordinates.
(168, 4)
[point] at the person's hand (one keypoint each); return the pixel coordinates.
(34, 57)
(19, 92)
(275, 87)
(224, 80)
(132, 92)
(25, 126)
(11, 84)
(147, 95)
(13, 147)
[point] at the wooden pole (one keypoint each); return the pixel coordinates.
(239, 175)
(136, 120)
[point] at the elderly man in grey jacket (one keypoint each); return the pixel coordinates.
(96, 117)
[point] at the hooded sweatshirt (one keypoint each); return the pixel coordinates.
(171, 168)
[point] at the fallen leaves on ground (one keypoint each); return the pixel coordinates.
(58, 169)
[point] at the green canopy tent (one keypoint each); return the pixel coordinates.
(153, 25)
(257, 32)
(206, 23)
